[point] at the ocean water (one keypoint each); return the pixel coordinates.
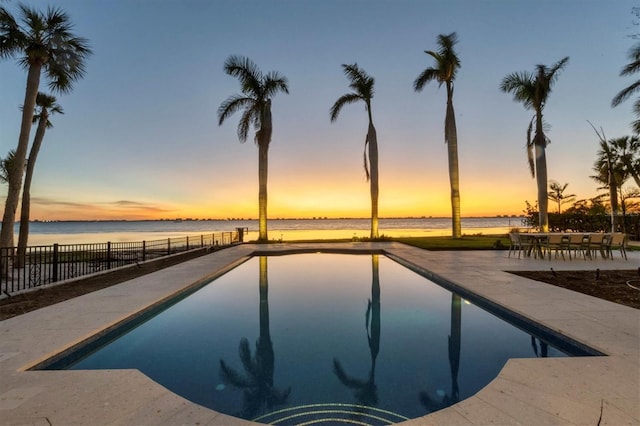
(82, 232)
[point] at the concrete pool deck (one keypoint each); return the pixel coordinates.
(562, 391)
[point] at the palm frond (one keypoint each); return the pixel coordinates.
(530, 148)
(522, 86)
(360, 81)
(246, 71)
(6, 166)
(553, 72)
(249, 116)
(12, 39)
(634, 65)
(274, 83)
(625, 93)
(426, 76)
(232, 104)
(366, 161)
(343, 100)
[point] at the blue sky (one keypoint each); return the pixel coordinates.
(140, 139)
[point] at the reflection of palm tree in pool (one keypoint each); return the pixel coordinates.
(257, 383)
(366, 392)
(454, 360)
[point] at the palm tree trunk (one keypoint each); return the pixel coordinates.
(264, 139)
(541, 174)
(374, 187)
(263, 167)
(15, 175)
(613, 195)
(451, 137)
(25, 209)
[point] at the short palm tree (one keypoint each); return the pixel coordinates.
(362, 85)
(533, 89)
(631, 68)
(46, 106)
(444, 71)
(257, 91)
(44, 42)
(557, 195)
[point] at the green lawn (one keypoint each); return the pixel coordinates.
(471, 242)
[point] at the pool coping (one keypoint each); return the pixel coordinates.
(527, 391)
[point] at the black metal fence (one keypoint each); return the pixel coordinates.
(44, 265)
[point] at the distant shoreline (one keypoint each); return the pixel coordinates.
(239, 219)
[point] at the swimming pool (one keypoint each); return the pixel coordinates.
(295, 339)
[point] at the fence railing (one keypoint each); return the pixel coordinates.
(42, 265)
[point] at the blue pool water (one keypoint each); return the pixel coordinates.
(300, 338)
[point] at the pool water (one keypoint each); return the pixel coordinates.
(305, 338)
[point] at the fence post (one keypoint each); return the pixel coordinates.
(144, 250)
(187, 243)
(54, 278)
(108, 254)
(168, 246)
(201, 240)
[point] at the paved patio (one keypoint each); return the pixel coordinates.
(562, 391)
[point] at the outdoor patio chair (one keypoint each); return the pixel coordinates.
(596, 244)
(520, 243)
(556, 242)
(618, 242)
(579, 243)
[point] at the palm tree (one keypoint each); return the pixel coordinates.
(45, 43)
(257, 384)
(629, 152)
(533, 89)
(557, 195)
(362, 85)
(255, 100)
(446, 67)
(611, 174)
(46, 107)
(631, 68)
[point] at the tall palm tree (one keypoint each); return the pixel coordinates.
(257, 384)
(533, 89)
(362, 85)
(557, 195)
(44, 42)
(631, 68)
(444, 71)
(46, 106)
(255, 100)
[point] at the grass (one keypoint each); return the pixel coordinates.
(467, 242)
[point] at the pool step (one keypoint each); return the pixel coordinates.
(331, 414)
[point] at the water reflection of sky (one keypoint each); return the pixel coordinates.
(321, 333)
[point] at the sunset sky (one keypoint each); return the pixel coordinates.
(140, 137)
